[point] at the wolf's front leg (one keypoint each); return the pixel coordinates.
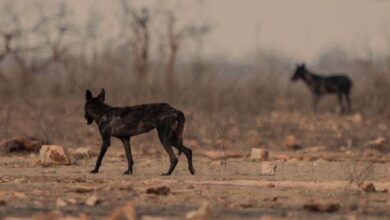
(316, 100)
(103, 150)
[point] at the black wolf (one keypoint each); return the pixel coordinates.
(322, 85)
(124, 122)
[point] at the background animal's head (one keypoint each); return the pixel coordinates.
(90, 102)
(299, 72)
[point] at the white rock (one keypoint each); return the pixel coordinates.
(126, 212)
(202, 213)
(82, 153)
(268, 168)
(54, 155)
(60, 203)
(259, 154)
(92, 200)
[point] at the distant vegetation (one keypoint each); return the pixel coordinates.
(46, 63)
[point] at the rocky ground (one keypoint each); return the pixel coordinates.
(295, 187)
(282, 165)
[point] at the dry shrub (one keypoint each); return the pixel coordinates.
(230, 95)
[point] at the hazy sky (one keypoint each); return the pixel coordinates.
(300, 29)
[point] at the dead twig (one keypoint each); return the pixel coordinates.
(6, 124)
(361, 175)
(222, 144)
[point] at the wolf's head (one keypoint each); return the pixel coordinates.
(299, 73)
(91, 103)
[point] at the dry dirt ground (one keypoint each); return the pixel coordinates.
(335, 157)
(235, 191)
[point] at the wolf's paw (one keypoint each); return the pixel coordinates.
(192, 170)
(94, 171)
(127, 172)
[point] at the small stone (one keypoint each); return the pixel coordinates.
(258, 154)
(92, 200)
(126, 212)
(60, 203)
(126, 188)
(82, 216)
(202, 213)
(322, 207)
(21, 180)
(270, 185)
(218, 155)
(38, 203)
(268, 168)
(349, 153)
(272, 217)
(314, 149)
(381, 200)
(214, 155)
(160, 190)
(148, 217)
(272, 199)
(82, 153)
(216, 163)
(3, 203)
(290, 143)
(20, 195)
(282, 157)
(71, 201)
(247, 205)
(378, 144)
(49, 215)
(84, 189)
(367, 187)
(370, 153)
(309, 158)
(357, 118)
(121, 155)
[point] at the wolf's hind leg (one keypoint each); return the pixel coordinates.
(340, 97)
(348, 98)
(316, 100)
(165, 133)
(188, 153)
(130, 161)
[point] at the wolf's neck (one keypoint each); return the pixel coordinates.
(309, 77)
(99, 110)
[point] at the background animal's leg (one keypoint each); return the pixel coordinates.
(340, 97)
(348, 98)
(164, 129)
(188, 153)
(103, 149)
(316, 100)
(130, 161)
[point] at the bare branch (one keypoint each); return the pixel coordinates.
(52, 41)
(137, 22)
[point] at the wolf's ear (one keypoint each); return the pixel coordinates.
(102, 95)
(88, 95)
(303, 65)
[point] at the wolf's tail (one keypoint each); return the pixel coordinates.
(179, 133)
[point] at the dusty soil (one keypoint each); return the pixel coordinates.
(336, 156)
(235, 191)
